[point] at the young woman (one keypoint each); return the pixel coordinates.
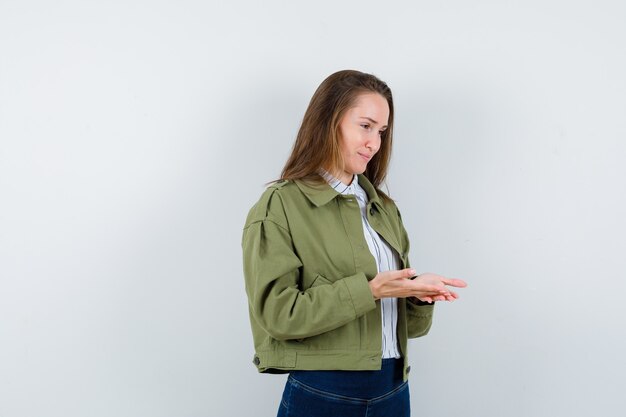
(332, 297)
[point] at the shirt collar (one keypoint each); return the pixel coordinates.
(339, 186)
(321, 194)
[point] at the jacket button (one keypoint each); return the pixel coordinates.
(256, 361)
(408, 369)
(372, 211)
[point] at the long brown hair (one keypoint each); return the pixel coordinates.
(317, 143)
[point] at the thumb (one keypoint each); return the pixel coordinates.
(397, 274)
(406, 273)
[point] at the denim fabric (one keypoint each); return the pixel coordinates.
(347, 393)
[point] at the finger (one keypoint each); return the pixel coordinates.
(454, 282)
(402, 274)
(406, 273)
(430, 289)
(398, 274)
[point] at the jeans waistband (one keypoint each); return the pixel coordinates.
(358, 384)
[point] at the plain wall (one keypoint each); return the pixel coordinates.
(135, 136)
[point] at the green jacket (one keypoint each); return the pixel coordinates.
(306, 267)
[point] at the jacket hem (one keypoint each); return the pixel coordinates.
(346, 360)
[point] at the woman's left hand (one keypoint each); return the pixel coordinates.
(440, 281)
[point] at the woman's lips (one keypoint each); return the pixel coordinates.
(367, 158)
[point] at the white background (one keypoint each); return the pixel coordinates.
(135, 135)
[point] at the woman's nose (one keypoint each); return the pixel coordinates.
(373, 143)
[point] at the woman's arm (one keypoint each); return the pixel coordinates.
(272, 271)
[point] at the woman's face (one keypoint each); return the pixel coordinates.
(360, 130)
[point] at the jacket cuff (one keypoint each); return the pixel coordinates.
(360, 293)
(424, 310)
(416, 301)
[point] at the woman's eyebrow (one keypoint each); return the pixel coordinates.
(372, 120)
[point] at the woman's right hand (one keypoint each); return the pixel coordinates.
(426, 287)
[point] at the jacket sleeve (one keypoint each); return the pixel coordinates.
(419, 313)
(272, 276)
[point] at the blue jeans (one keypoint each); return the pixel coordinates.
(347, 393)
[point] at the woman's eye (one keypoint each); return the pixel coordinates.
(365, 126)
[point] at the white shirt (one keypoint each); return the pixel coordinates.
(386, 260)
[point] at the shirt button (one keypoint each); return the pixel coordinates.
(372, 211)
(256, 361)
(408, 369)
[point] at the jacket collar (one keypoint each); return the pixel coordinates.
(321, 194)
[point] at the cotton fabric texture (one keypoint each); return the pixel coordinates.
(307, 267)
(386, 260)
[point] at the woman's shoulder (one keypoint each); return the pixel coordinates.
(278, 190)
(270, 203)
